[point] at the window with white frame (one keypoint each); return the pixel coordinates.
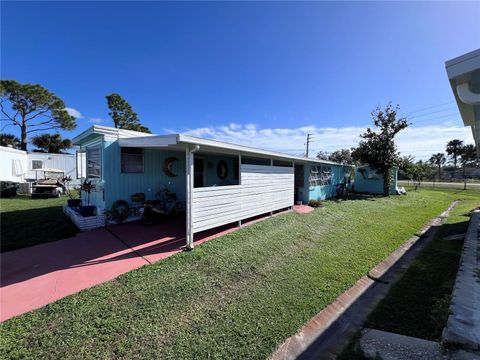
(81, 164)
(320, 175)
(94, 162)
(37, 164)
(132, 160)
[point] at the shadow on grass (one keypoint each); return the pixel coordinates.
(22, 228)
(105, 245)
(416, 305)
(357, 196)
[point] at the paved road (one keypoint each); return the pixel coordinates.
(458, 185)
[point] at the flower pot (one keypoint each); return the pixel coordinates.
(88, 210)
(74, 203)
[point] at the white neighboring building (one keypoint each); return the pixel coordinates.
(464, 75)
(19, 166)
(13, 164)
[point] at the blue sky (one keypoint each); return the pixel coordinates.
(260, 73)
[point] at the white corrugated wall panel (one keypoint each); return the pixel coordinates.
(13, 164)
(65, 162)
(263, 189)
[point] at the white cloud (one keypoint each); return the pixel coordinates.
(420, 142)
(74, 112)
(95, 120)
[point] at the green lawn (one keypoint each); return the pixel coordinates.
(238, 296)
(417, 305)
(26, 221)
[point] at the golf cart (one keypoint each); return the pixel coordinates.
(47, 183)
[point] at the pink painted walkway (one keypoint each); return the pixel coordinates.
(303, 209)
(38, 275)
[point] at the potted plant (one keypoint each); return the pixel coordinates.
(72, 201)
(88, 210)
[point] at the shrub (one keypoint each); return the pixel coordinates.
(315, 203)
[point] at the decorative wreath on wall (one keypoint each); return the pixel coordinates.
(167, 166)
(222, 169)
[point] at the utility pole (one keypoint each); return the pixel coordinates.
(309, 140)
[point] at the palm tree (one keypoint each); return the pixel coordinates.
(9, 140)
(454, 148)
(468, 156)
(438, 159)
(51, 143)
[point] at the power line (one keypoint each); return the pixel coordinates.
(433, 112)
(434, 118)
(426, 108)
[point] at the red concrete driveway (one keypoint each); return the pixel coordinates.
(38, 275)
(35, 276)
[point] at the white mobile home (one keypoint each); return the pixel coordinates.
(13, 164)
(19, 166)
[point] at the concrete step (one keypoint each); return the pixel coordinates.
(382, 345)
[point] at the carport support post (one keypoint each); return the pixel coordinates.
(189, 192)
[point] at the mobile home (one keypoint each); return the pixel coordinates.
(20, 166)
(219, 182)
(368, 181)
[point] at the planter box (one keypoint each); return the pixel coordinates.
(74, 203)
(85, 223)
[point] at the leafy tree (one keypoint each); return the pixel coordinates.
(342, 156)
(33, 108)
(406, 164)
(419, 172)
(454, 148)
(438, 159)
(378, 150)
(9, 140)
(323, 155)
(51, 143)
(123, 115)
(358, 154)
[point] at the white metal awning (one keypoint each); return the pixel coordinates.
(180, 141)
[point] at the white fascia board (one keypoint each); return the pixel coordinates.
(463, 64)
(247, 150)
(12, 150)
(149, 141)
(458, 71)
(77, 140)
(108, 132)
(127, 138)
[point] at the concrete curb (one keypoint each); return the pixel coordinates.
(463, 326)
(327, 334)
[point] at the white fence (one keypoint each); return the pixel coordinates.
(263, 189)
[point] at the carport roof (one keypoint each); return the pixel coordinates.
(179, 141)
(127, 138)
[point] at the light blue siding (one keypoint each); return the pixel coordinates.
(367, 181)
(307, 193)
(122, 185)
(115, 185)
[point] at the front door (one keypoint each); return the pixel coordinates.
(199, 172)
